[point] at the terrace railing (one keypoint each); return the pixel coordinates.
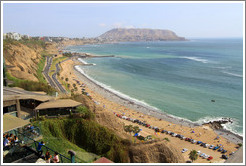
(27, 139)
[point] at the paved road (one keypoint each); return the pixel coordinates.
(46, 72)
(56, 81)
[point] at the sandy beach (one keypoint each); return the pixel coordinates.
(112, 102)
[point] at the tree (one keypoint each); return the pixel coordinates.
(68, 85)
(128, 128)
(66, 79)
(193, 155)
(136, 129)
(74, 85)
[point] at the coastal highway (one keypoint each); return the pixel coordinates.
(46, 72)
(56, 81)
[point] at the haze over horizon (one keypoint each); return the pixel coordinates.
(190, 20)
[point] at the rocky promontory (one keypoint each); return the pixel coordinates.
(135, 34)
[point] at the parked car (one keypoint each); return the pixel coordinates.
(198, 152)
(174, 134)
(224, 156)
(124, 117)
(231, 153)
(211, 146)
(171, 133)
(202, 154)
(178, 135)
(199, 142)
(206, 145)
(220, 149)
(193, 141)
(168, 132)
(187, 139)
(224, 151)
(162, 131)
(202, 144)
(183, 138)
(216, 147)
(205, 156)
(210, 158)
(184, 150)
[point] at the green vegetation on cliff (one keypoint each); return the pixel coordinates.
(82, 134)
(40, 69)
(30, 85)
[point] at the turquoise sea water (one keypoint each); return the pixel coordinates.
(179, 78)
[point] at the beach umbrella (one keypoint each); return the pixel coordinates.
(193, 131)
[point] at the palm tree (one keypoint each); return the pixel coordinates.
(193, 155)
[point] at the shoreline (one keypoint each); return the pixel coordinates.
(148, 110)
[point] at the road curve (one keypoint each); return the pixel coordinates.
(46, 72)
(56, 81)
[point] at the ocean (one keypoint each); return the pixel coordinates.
(180, 78)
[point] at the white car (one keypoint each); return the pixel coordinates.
(124, 117)
(184, 150)
(205, 156)
(198, 152)
(183, 138)
(194, 141)
(211, 146)
(206, 145)
(202, 154)
(174, 134)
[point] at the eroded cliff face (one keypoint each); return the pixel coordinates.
(159, 152)
(22, 60)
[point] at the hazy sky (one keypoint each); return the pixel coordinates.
(91, 20)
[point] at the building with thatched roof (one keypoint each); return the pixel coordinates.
(55, 107)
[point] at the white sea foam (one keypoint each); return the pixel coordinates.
(195, 59)
(84, 62)
(232, 74)
(222, 67)
(228, 126)
(115, 91)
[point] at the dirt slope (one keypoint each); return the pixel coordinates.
(160, 152)
(22, 60)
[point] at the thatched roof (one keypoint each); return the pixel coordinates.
(34, 97)
(11, 122)
(61, 103)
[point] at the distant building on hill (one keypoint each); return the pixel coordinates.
(15, 36)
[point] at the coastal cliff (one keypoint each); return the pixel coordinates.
(22, 59)
(122, 34)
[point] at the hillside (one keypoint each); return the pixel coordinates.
(22, 58)
(121, 34)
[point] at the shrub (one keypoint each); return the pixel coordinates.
(166, 139)
(31, 85)
(239, 144)
(85, 112)
(193, 155)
